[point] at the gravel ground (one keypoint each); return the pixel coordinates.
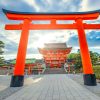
(79, 79)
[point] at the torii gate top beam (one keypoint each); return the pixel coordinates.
(13, 15)
(52, 17)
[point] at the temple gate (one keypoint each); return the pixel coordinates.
(27, 18)
(55, 54)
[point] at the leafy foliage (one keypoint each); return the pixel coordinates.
(94, 57)
(77, 58)
(97, 71)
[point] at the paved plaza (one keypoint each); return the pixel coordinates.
(50, 87)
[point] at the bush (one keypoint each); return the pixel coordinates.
(97, 71)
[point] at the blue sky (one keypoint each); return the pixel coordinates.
(38, 37)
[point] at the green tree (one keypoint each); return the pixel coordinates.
(1, 53)
(94, 57)
(78, 61)
(76, 57)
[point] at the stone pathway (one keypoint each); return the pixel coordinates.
(6, 91)
(53, 87)
(79, 79)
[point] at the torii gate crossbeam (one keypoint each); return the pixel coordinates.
(78, 17)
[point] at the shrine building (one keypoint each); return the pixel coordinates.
(55, 54)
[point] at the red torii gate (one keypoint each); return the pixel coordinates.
(78, 17)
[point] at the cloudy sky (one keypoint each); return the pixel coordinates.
(38, 37)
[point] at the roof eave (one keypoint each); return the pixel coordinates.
(51, 13)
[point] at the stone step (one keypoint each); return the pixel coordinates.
(55, 71)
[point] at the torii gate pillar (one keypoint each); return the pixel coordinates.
(18, 77)
(89, 76)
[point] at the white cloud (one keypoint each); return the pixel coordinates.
(10, 36)
(40, 37)
(97, 47)
(47, 37)
(33, 4)
(87, 5)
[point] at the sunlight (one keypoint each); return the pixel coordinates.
(44, 39)
(54, 37)
(37, 80)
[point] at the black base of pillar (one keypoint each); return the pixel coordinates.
(17, 81)
(89, 79)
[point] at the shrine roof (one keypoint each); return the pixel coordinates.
(39, 61)
(51, 13)
(55, 46)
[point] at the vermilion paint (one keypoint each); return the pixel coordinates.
(27, 25)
